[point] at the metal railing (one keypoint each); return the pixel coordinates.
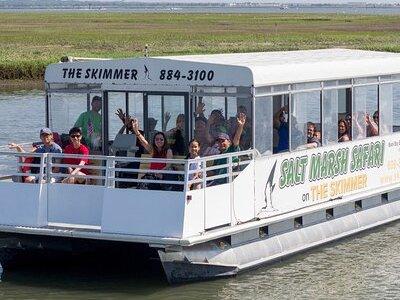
(128, 172)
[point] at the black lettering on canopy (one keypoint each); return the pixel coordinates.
(107, 74)
(118, 74)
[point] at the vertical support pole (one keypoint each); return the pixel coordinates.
(204, 177)
(231, 196)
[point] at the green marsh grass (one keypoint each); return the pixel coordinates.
(30, 41)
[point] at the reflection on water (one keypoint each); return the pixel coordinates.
(364, 266)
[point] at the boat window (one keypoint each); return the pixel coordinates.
(396, 106)
(387, 107)
(115, 101)
(67, 110)
(336, 107)
(365, 105)
(306, 86)
(263, 129)
(305, 127)
(135, 106)
(219, 114)
(366, 80)
(166, 113)
(281, 122)
(340, 82)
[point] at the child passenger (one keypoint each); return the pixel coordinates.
(194, 150)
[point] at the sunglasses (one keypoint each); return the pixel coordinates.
(159, 139)
(75, 135)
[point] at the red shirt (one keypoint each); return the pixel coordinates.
(83, 150)
(158, 165)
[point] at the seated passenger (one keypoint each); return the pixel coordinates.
(227, 146)
(343, 129)
(282, 126)
(48, 146)
(194, 150)
(75, 147)
(312, 140)
(372, 127)
(90, 124)
(158, 149)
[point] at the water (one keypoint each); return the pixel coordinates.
(363, 266)
(315, 9)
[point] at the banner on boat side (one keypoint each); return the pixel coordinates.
(298, 179)
(144, 71)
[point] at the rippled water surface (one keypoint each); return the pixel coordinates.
(363, 266)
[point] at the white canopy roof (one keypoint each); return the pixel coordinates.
(237, 69)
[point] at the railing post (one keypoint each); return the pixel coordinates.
(49, 167)
(110, 163)
(43, 157)
(231, 196)
(186, 178)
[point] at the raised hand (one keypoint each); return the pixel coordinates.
(135, 125)
(241, 119)
(121, 114)
(200, 108)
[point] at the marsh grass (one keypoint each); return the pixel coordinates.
(30, 41)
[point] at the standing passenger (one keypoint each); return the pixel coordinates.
(282, 126)
(90, 124)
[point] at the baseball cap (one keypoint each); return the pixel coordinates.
(45, 130)
(97, 98)
(223, 136)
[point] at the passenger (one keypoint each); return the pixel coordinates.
(202, 135)
(152, 127)
(312, 141)
(127, 127)
(343, 129)
(90, 124)
(49, 146)
(76, 147)
(158, 149)
(317, 134)
(246, 139)
(194, 150)
(227, 146)
(281, 124)
(372, 127)
(176, 135)
(216, 124)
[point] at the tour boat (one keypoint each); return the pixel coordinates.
(284, 192)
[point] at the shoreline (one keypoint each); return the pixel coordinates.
(12, 85)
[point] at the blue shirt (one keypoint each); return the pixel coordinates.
(283, 132)
(54, 148)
